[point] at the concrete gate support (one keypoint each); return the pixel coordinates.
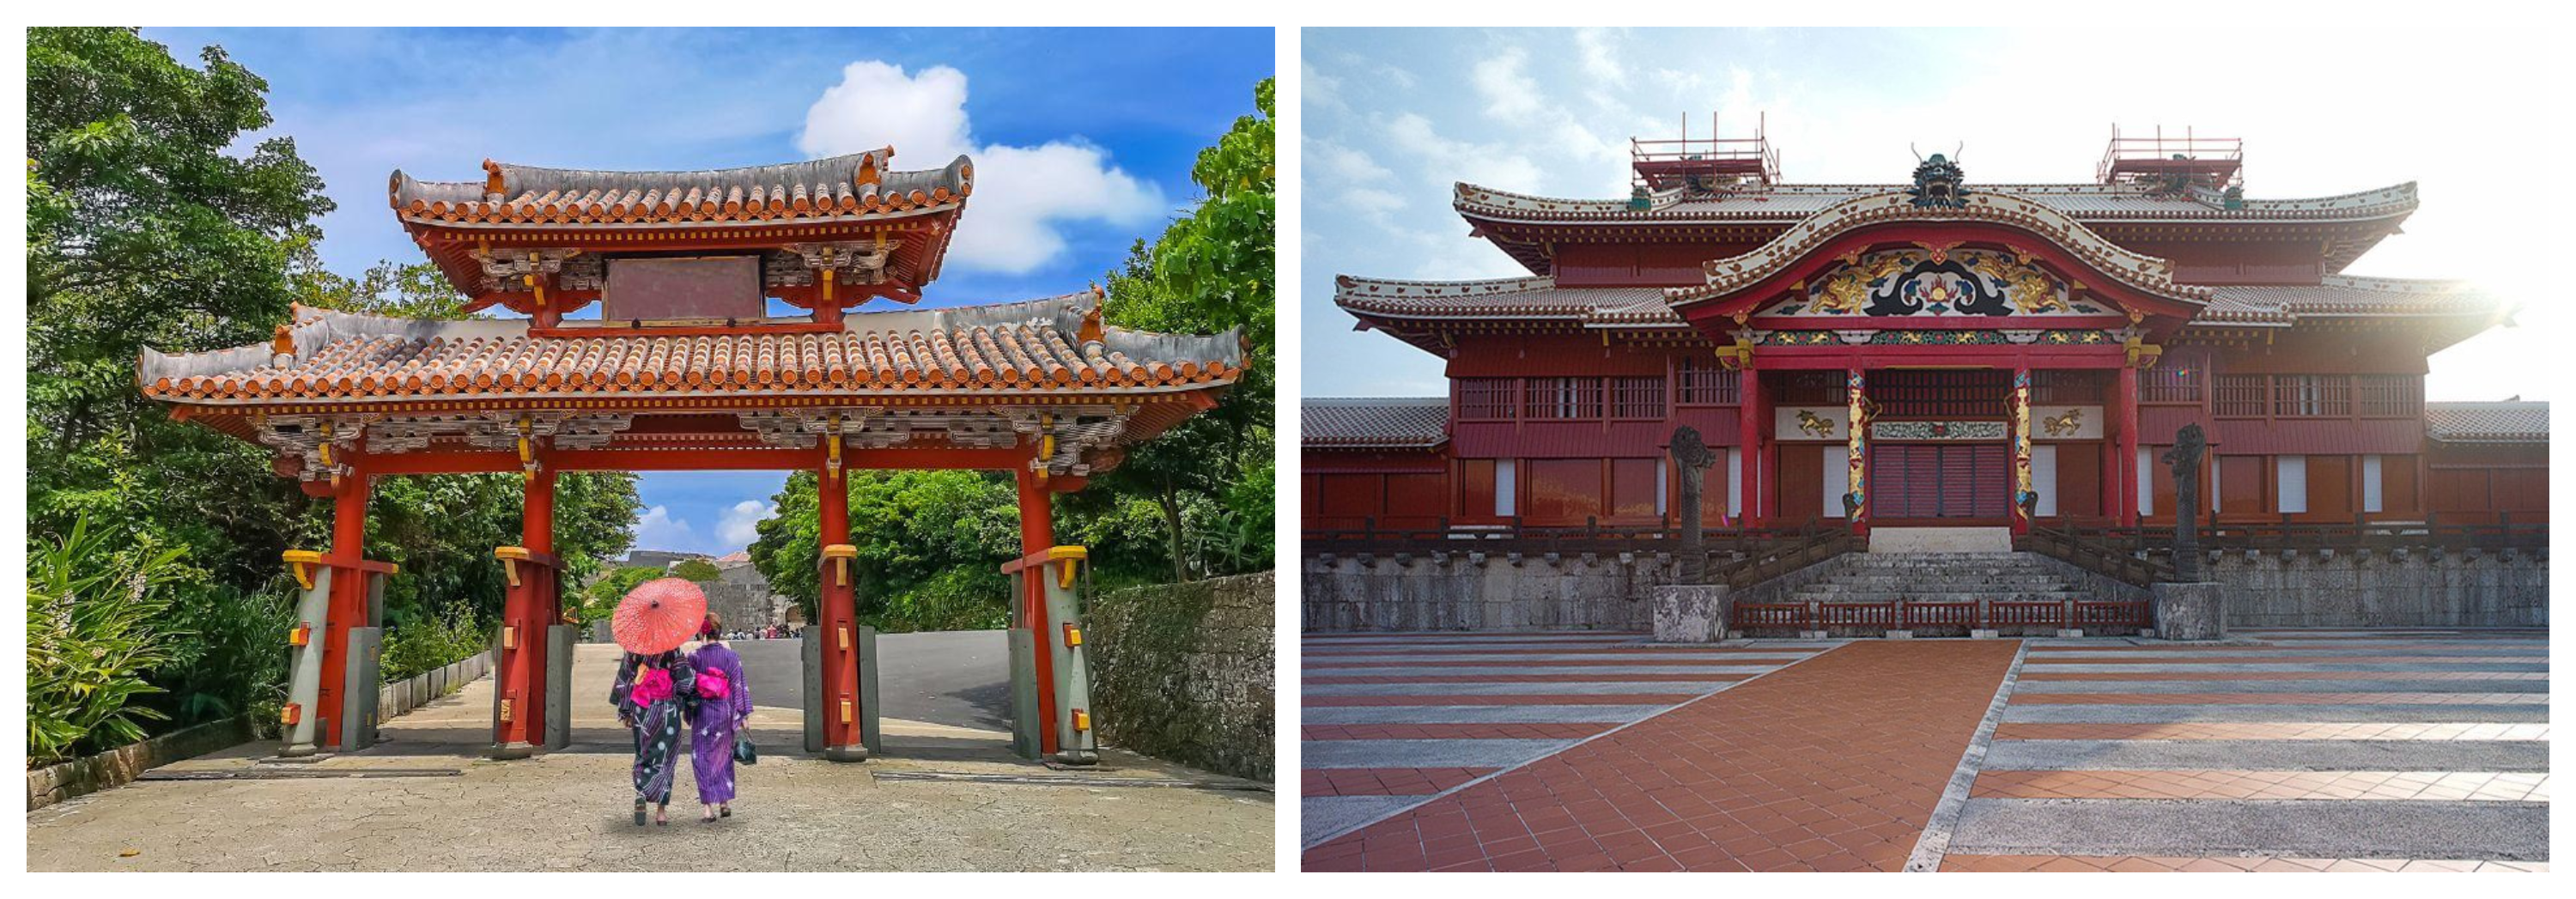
(1051, 699)
(343, 595)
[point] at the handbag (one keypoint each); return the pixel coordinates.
(744, 752)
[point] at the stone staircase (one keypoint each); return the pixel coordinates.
(1934, 594)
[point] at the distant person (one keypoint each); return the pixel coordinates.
(653, 694)
(725, 705)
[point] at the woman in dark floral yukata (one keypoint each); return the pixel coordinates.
(652, 695)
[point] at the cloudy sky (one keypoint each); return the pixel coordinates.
(1082, 140)
(1393, 118)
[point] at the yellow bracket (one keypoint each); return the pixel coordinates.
(510, 557)
(301, 561)
(840, 555)
(1071, 557)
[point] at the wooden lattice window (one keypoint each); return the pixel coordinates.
(1637, 397)
(1705, 383)
(1814, 388)
(2172, 384)
(1942, 394)
(1486, 399)
(2391, 396)
(2069, 385)
(2311, 396)
(1562, 398)
(2239, 396)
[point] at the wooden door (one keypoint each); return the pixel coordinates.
(1801, 482)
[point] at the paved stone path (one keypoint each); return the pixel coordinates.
(1393, 720)
(2416, 750)
(568, 810)
(1834, 763)
(2302, 750)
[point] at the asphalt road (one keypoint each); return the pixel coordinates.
(956, 678)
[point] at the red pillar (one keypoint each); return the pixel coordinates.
(2123, 465)
(838, 616)
(1753, 429)
(348, 600)
(1037, 534)
(530, 608)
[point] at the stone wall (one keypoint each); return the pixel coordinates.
(1474, 591)
(119, 766)
(1184, 672)
(2405, 588)
(421, 689)
(741, 597)
(2308, 588)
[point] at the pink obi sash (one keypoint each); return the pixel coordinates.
(651, 687)
(712, 685)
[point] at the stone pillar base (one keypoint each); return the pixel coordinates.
(2191, 611)
(845, 753)
(508, 751)
(1690, 613)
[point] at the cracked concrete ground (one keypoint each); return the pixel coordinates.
(569, 810)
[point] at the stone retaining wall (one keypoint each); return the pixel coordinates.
(2406, 588)
(1185, 672)
(419, 689)
(119, 766)
(1464, 591)
(1474, 591)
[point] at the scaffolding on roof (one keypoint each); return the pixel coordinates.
(1706, 164)
(2216, 163)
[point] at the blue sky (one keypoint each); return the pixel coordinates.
(1083, 141)
(1392, 118)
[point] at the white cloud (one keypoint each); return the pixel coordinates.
(1600, 60)
(1510, 94)
(1319, 90)
(1023, 195)
(1375, 205)
(1345, 163)
(1487, 165)
(656, 529)
(740, 524)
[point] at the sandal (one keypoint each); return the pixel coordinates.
(724, 811)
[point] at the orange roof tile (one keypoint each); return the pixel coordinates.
(1001, 349)
(841, 187)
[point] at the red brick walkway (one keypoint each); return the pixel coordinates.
(1832, 764)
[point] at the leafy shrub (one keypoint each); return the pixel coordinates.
(94, 626)
(433, 642)
(699, 570)
(232, 658)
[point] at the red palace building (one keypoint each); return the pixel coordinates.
(1934, 353)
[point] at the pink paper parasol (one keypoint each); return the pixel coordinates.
(659, 615)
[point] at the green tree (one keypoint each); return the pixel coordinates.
(697, 570)
(930, 546)
(1212, 270)
(155, 222)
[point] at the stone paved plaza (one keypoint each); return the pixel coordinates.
(2278, 750)
(569, 810)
